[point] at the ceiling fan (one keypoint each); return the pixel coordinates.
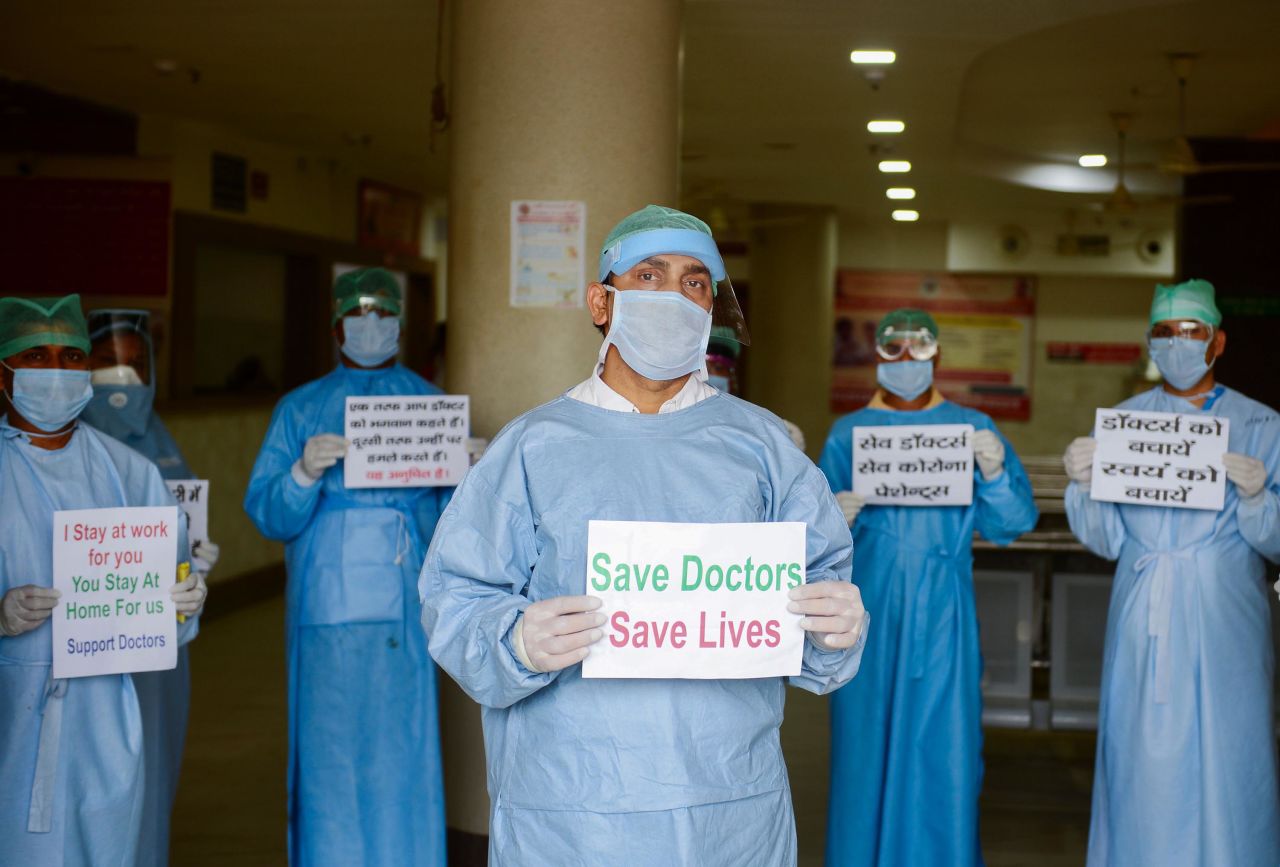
(1180, 158)
(1121, 200)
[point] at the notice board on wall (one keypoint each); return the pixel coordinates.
(986, 335)
(94, 237)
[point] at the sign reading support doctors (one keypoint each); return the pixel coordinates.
(925, 465)
(406, 441)
(193, 499)
(1160, 459)
(115, 568)
(695, 600)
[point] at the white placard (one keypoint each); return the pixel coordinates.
(914, 465)
(193, 499)
(695, 600)
(115, 568)
(548, 242)
(1160, 459)
(406, 441)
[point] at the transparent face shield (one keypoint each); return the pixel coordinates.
(121, 352)
(726, 312)
(919, 344)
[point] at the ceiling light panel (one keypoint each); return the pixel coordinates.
(906, 216)
(895, 166)
(874, 56)
(886, 127)
(900, 193)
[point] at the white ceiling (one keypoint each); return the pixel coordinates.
(774, 111)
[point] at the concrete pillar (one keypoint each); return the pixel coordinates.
(793, 271)
(558, 99)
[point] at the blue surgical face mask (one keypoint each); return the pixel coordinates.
(1180, 359)
(50, 397)
(907, 379)
(660, 335)
(720, 383)
(370, 339)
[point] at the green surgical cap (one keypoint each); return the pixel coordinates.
(652, 217)
(28, 322)
(724, 342)
(376, 286)
(907, 319)
(1191, 299)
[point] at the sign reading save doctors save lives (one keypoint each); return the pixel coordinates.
(695, 600)
(115, 568)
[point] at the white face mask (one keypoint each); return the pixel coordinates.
(120, 374)
(660, 335)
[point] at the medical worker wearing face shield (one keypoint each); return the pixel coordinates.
(71, 751)
(906, 735)
(121, 365)
(1186, 765)
(637, 772)
(365, 782)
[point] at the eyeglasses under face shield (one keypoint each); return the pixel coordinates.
(920, 344)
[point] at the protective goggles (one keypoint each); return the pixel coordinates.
(1186, 329)
(920, 344)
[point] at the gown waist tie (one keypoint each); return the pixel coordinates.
(40, 814)
(1159, 566)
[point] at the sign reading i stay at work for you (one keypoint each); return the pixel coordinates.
(924, 465)
(115, 568)
(695, 600)
(1160, 459)
(406, 441)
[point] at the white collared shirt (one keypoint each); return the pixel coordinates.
(594, 392)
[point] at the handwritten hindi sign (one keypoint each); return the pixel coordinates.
(114, 568)
(1160, 459)
(695, 600)
(406, 441)
(926, 465)
(193, 499)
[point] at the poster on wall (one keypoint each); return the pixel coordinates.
(986, 331)
(547, 244)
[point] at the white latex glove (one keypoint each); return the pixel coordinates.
(1249, 475)
(851, 504)
(476, 447)
(321, 452)
(26, 607)
(1078, 459)
(188, 596)
(1276, 587)
(207, 552)
(797, 435)
(557, 632)
(988, 451)
(834, 616)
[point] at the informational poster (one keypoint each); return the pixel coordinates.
(1160, 459)
(406, 441)
(926, 465)
(985, 325)
(547, 244)
(695, 600)
(115, 568)
(193, 499)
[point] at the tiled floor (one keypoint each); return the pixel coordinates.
(230, 810)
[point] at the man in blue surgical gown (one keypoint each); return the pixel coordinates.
(71, 751)
(122, 366)
(631, 772)
(1186, 766)
(906, 736)
(365, 783)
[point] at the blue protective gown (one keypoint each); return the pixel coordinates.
(622, 772)
(365, 784)
(1186, 766)
(906, 736)
(71, 751)
(164, 696)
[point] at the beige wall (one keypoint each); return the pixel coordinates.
(221, 445)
